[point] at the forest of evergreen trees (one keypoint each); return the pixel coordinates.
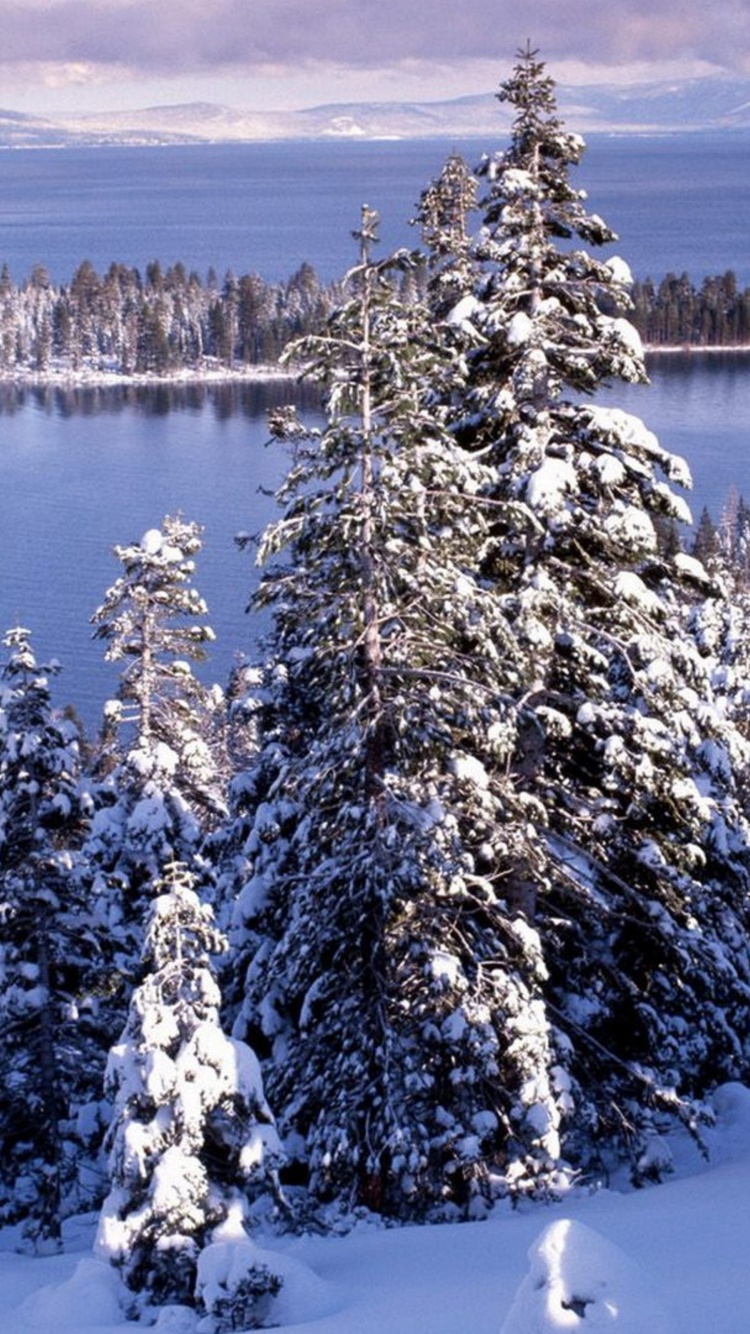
(675, 313)
(446, 899)
(126, 323)
(132, 324)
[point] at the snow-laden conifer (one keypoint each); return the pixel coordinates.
(163, 788)
(48, 954)
(191, 1129)
(445, 210)
(153, 622)
(494, 865)
(719, 619)
(642, 913)
(388, 981)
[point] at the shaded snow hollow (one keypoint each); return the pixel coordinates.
(668, 1259)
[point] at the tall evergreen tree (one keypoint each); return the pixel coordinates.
(706, 544)
(641, 912)
(444, 214)
(150, 621)
(157, 783)
(48, 952)
(166, 784)
(388, 987)
(530, 973)
(721, 621)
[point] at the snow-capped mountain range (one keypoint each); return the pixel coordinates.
(645, 108)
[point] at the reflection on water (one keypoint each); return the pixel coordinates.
(683, 362)
(222, 398)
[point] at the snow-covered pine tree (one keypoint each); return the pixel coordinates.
(734, 538)
(706, 543)
(191, 1129)
(48, 954)
(444, 212)
(152, 619)
(643, 916)
(721, 621)
(165, 785)
(391, 992)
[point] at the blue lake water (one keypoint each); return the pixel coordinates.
(679, 203)
(699, 406)
(80, 472)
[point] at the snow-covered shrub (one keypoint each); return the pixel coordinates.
(579, 1280)
(235, 1285)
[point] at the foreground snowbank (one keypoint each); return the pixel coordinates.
(576, 1277)
(669, 1259)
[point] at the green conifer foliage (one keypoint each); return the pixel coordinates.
(642, 916)
(49, 946)
(191, 1128)
(388, 983)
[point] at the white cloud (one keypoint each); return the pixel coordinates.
(291, 45)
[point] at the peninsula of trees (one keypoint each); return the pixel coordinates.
(126, 323)
(161, 322)
(446, 899)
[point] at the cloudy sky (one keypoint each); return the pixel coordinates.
(58, 55)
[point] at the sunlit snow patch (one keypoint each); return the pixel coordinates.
(88, 1299)
(578, 1280)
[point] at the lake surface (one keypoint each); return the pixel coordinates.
(678, 202)
(82, 471)
(698, 404)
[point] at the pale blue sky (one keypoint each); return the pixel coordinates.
(60, 55)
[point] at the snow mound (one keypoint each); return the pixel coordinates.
(729, 1139)
(304, 1297)
(175, 1320)
(224, 1265)
(88, 1299)
(578, 1280)
(152, 541)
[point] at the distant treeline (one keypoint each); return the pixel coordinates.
(169, 320)
(161, 321)
(674, 312)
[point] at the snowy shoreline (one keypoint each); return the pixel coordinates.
(695, 349)
(259, 374)
(88, 378)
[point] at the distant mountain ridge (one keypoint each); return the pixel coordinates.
(645, 108)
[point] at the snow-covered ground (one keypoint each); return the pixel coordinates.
(668, 1259)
